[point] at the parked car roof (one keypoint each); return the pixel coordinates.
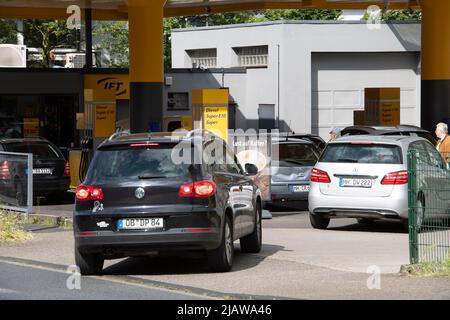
(289, 139)
(19, 140)
(400, 128)
(377, 139)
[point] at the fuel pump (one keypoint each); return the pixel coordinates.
(80, 158)
(87, 145)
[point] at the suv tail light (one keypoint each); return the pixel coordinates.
(198, 189)
(4, 171)
(319, 176)
(395, 178)
(88, 193)
(66, 169)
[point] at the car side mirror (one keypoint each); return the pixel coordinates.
(251, 169)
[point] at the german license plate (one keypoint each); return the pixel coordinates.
(140, 224)
(355, 183)
(42, 171)
(304, 188)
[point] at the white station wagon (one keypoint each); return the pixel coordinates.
(366, 177)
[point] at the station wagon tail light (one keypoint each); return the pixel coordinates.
(66, 169)
(88, 193)
(198, 189)
(319, 176)
(4, 171)
(395, 178)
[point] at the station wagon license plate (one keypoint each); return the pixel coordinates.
(355, 183)
(140, 224)
(300, 188)
(43, 171)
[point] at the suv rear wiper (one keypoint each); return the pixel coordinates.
(348, 160)
(151, 177)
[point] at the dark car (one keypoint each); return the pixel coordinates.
(402, 130)
(136, 200)
(290, 173)
(51, 173)
(315, 139)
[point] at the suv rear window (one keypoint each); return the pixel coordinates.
(362, 153)
(125, 163)
(40, 150)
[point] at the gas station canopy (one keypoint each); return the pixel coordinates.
(118, 9)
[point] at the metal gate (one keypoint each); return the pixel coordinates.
(429, 207)
(16, 182)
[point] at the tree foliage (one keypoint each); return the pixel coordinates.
(113, 37)
(402, 15)
(48, 35)
(8, 32)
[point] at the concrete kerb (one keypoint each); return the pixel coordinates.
(54, 220)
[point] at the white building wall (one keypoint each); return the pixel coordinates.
(298, 42)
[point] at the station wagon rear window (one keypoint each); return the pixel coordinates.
(362, 153)
(125, 163)
(292, 154)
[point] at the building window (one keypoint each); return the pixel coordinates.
(252, 56)
(177, 101)
(203, 58)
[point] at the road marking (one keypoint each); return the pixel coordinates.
(130, 282)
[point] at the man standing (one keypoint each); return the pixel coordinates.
(443, 145)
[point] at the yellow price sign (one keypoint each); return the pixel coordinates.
(215, 119)
(105, 120)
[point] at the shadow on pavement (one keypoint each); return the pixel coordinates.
(288, 207)
(375, 226)
(185, 263)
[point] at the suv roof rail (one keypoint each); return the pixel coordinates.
(203, 132)
(119, 134)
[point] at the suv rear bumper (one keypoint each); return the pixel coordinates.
(113, 243)
(183, 230)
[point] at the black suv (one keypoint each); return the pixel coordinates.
(51, 173)
(136, 200)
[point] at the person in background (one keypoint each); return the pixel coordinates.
(335, 133)
(443, 145)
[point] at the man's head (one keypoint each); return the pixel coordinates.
(441, 130)
(335, 133)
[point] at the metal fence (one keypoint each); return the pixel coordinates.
(429, 206)
(16, 182)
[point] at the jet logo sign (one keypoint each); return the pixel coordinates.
(113, 84)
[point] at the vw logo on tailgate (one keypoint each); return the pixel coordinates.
(139, 193)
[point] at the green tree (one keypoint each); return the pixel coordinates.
(402, 15)
(399, 15)
(298, 14)
(8, 32)
(113, 37)
(48, 35)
